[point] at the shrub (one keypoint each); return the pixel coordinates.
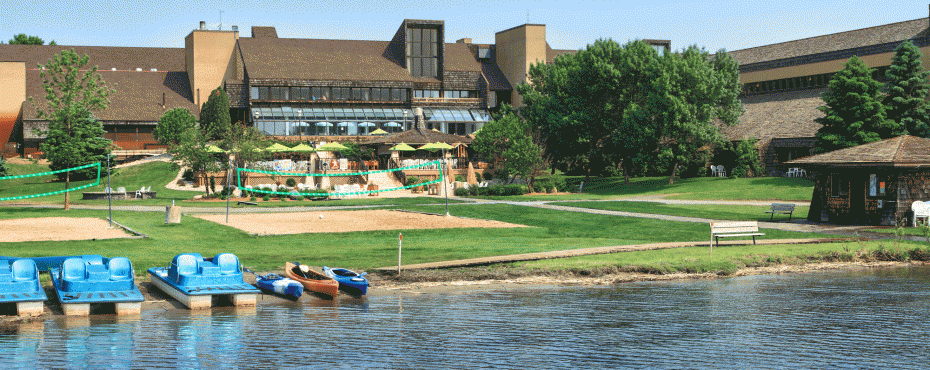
(188, 175)
(515, 189)
(487, 176)
(483, 191)
(290, 182)
(461, 192)
(472, 190)
(495, 189)
(558, 182)
(212, 185)
(459, 178)
(413, 180)
(301, 197)
(267, 197)
(252, 199)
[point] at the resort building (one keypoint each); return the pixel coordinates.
(783, 83)
(293, 89)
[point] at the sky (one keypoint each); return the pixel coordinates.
(729, 24)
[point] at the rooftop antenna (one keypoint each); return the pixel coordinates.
(527, 16)
(221, 20)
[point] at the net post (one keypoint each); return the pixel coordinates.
(109, 191)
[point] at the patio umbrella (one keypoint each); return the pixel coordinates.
(303, 148)
(331, 146)
(277, 148)
(402, 148)
(378, 132)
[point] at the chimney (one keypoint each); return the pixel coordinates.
(235, 28)
(418, 120)
(203, 25)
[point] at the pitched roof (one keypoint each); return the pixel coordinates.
(138, 95)
(104, 57)
(893, 32)
(898, 151)
(782, 115)
(259, 31)
(418, 137)
(350, 60)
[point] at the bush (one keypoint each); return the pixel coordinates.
(282, 189)
(515, 189)
(483, 191)
(252, 199)
(413, 180)
(267, 197)
(290, 182)
(472, 190)
(487, 176)
(461, 192)
(496, 189)
(301, 197)
(459, 178)
(188, 175)
(212, 185)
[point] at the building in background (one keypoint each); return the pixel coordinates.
(293, 89)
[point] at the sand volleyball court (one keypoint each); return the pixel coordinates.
(58, 228)
(344, 221)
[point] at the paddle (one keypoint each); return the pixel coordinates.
(303, 269)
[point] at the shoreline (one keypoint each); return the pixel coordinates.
(386, 288)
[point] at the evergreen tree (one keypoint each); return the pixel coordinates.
(853, 110)
(214, 116)
(907, 91)
(72, 92)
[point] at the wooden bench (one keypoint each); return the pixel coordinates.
(731, 229)
(782, 208)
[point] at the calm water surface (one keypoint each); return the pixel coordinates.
(839, 319)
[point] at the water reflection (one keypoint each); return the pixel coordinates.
(821, 320)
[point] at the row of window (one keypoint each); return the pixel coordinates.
(800, 83)
(448, 94)
(354, 128)
(368, 114)
(422, 52)
(328, 93)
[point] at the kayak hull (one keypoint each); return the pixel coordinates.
(314, 281)
(349, 281)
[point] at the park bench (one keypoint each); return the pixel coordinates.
(241, 202)
(782, 208)
(729, 229)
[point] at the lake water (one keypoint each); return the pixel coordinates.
(836, 319)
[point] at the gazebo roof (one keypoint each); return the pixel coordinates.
(901, 151)
(418, 137)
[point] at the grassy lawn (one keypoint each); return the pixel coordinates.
(552, 230)
(717, 212)
(762, 188)
(157, 175)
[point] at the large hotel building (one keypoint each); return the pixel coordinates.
(318, 90)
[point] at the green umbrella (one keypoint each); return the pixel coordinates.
(277, 148)
(331, 146)
(403, 148)
(303, 148)
(441, 145)
(429, 146)
(378, 132)
(214, 149)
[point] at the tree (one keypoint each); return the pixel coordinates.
(588, 107)
(173, 124)
(508, 142)
(853, 110)
(906, 89)
(3, 170)
(689, 94)
(244, 141)
(214, 116)
(191, 151)
(71, 97)
(23, 39)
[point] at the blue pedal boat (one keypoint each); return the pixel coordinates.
(19, 283)
(88, 279)
(349, 281)
(193, 280)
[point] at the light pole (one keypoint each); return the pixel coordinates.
(300, 114)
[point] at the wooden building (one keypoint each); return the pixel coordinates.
(870, 184)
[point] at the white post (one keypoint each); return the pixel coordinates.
(400, 243)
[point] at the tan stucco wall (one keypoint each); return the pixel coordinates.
(208, 56)
(873, 61)
(12, 96)
(516, 50)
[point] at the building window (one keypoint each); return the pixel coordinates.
(423, 51)
(254, 93)
(839, 187)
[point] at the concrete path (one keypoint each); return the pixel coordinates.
(591, 251)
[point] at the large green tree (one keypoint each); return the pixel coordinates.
(73, 91)
(853, 110)
(588, 106)
(173, 125)
(906, 89)
(191, 151)
(214, 115)
(23, 39)
(508, 142)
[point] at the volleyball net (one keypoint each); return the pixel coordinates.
(333, 184)
(45, 181)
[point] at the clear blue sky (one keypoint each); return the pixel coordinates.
(730, 24)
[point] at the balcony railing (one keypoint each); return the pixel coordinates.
(469, 101)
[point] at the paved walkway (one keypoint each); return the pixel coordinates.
(590, 251)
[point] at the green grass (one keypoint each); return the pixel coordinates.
(552, 230)
(762, 188)
(728, 259)
(715, 212)
(157, 175)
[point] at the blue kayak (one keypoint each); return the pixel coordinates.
(349, 281)
(280, 285)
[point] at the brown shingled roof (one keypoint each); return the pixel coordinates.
(258, 31)
(782, 115)
(105, 57)
(493, 74)
(418, 137)
(457, 57)
(903, 150)
(893, 32)
(138, 95)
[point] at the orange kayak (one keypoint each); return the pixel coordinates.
(311, 280)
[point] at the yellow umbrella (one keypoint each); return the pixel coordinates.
(277, 148)
(378, 132)
(332, 145)
(402, 148)
(302, 148)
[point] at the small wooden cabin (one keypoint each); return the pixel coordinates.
(869, 184)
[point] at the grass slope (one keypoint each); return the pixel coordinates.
(715, 212)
